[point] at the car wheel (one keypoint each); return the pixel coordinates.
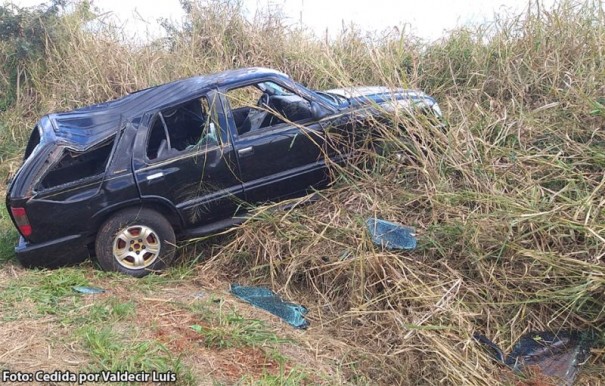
(135, 242)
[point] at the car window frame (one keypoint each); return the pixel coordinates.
(268, 129)
(61, 151)
(149, 121)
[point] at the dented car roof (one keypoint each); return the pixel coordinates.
(90, 125)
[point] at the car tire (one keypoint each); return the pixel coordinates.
(135, 242)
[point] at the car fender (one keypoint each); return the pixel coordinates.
(159, 205)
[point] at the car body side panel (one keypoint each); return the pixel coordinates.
(202, 184)
(281, 162)
(46, 208)
(84, 199)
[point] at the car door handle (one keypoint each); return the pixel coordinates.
(246, 151)
(155, 176)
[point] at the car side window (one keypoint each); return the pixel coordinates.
(182, 128)
(75, 166)
(266, 105)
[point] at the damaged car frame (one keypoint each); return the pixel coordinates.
(125, 179)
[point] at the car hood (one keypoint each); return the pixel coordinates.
(386, 97)
(368, 91)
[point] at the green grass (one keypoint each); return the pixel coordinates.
(292, 377)
(223, 327)
(232, 330)
(122, 351)
(107, 310)
(41, 293)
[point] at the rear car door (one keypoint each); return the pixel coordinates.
(277, 141)
(184, 159)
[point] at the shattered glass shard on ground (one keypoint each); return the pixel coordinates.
(391, 235)
(261, 297)
(88, 290)
(554, 355)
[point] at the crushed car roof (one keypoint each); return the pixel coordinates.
(93, 124)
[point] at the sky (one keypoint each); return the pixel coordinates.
(427, 19)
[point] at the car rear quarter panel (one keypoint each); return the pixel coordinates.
(76, 208)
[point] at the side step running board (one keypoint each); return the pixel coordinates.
(221, 225)
(209, 229)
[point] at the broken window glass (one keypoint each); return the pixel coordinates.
(268, 300)
(182, 127)
(74, 166)
(88, 290)
(157, 142)
(266, 105)
(553, 355)
(391, 235)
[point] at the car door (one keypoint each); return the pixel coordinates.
(184, 159)
(277, 142)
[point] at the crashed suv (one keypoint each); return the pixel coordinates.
(123, 180)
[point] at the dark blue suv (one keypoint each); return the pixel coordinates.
(123, 180)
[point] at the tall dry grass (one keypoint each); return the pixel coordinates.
(508, 203)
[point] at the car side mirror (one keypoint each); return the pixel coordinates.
(317, 111)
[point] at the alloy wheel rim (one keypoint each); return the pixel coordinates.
(136, 247)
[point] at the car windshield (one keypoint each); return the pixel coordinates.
(273, 89)
(333, 99)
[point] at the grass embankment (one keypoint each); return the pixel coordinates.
(508, 204)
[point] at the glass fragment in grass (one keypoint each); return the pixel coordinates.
(554, 355)
(261, 297)
(88, 290)
(391, 235)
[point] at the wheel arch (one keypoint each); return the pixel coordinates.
(164, 208)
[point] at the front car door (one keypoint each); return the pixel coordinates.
(277, 141)
(183, 158)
